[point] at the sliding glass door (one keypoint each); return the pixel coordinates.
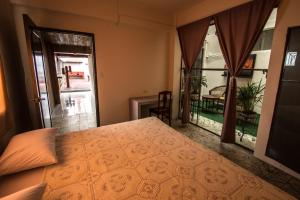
(210, 82)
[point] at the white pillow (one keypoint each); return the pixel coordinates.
(29, 150)
(31, 193)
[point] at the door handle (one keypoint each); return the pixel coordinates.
(37, 99)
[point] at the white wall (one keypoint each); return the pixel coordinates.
(213, 59)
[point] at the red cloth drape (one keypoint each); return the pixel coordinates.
(191, 39)
(238, 30)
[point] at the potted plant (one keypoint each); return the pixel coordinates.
(247, 98)
(197, 83)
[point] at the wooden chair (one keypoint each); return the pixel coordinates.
(164, 106)
(219, 92)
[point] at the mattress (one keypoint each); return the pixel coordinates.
(146, 159)
(15, 182)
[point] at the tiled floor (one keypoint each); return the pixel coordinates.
(76, 112)
(248, 141)
(242, 157)
(78, 85)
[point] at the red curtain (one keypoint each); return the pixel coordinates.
(191, 39)
(238, 30)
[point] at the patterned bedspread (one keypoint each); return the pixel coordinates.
(146, 159)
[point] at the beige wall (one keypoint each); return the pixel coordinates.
(204, 9)
(288, 15)
(131, 54)
(109, 10)
(174, 72)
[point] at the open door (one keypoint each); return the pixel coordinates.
(47, 95)
(40, 75)
(39, 102)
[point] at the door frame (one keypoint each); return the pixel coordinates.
(35, 111)
(279, 88)
(45, 29)
(40, 99)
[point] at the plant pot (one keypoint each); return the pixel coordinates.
(246, 116)
(195, 97)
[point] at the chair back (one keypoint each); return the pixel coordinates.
(164, 99)
(218, 91)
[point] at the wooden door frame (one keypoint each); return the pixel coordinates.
(29, 24)
(45, 29)
(279, 88)
(36, 117)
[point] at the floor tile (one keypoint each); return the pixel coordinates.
(74, 117)
(241, 156)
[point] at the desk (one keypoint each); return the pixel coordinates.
(139, 104)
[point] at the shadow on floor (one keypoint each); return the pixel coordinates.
(242, 157)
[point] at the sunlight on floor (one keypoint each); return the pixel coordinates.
(76, 112)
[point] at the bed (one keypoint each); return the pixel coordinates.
(142, 159)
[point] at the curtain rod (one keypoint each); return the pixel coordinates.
(212, 21)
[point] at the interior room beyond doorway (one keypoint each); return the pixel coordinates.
(77, 108)
(72, 93)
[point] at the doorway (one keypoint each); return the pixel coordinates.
(75, 75)
(64, 78)
(72, 61)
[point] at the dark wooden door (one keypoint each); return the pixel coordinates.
(284, 141)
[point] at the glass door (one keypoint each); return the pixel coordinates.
(38, 60)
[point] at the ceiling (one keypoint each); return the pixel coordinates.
(69, 39)
(73, 59)
(168, 5)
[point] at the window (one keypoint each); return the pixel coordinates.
(264, 41)
(210, 80)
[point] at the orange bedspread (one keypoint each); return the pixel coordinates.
(146, 159)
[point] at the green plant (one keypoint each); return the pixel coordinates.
(249, 95)
(198, 82)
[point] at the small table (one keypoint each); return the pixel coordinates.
(137, 103)
(210, 101)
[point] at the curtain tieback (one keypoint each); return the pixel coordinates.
(187, 73)
(232, 82)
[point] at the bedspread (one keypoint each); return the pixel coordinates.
(146, 159)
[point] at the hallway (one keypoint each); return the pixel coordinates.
(76, 112)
